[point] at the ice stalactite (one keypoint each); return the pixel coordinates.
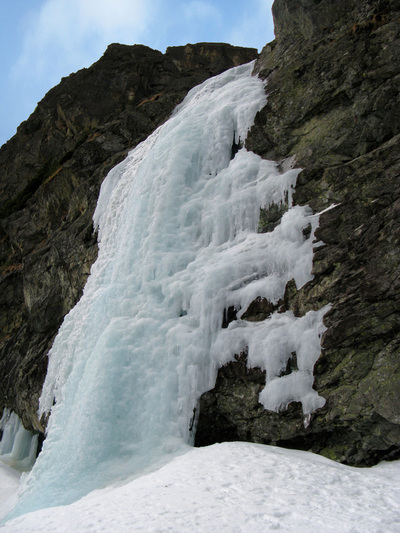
(17, 445)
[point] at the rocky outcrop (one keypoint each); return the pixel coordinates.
(50, 176)
(333, 81)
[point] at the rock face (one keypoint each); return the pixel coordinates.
(50, 176)
(333, 81)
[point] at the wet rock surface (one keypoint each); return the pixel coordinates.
(333, 79)
(50, 177)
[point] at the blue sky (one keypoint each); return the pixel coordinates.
(44, 40)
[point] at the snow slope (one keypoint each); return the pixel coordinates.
(235, 487)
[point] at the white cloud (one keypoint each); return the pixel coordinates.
(66, 35)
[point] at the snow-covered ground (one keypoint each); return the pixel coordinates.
(231, 487)
(9, 484)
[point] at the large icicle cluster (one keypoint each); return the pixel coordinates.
(178, 244)
(17, 446)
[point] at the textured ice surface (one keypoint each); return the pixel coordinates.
(178, 244)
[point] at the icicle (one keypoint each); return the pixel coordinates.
(17, 446)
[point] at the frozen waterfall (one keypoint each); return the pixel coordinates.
(178, 243)
(18, 446)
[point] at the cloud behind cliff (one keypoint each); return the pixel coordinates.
(49, 39)
(63, 34)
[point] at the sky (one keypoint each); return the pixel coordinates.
(45, 40)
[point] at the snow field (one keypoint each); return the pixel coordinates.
(235, 487)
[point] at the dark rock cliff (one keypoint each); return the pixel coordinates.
(50, 176)
(333, 82)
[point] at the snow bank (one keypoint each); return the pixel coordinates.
(236, 487)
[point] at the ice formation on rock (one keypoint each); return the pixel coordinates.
(178, 243)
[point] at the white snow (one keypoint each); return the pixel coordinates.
(235, 487)
(9, 484)
(178, 244)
